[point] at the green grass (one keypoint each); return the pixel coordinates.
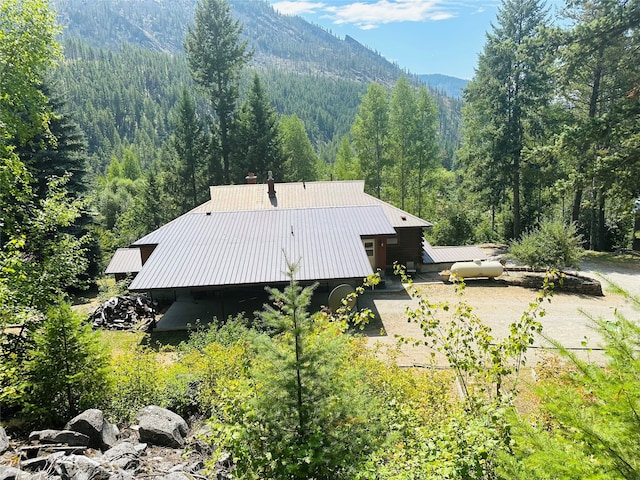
(610, 259)
(120, 341)
(123, 341)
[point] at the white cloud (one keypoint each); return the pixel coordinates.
(368, 15)
(297, 8)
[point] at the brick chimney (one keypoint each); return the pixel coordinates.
(251, 178)
(271, 184)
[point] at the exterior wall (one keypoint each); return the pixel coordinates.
(381, 253)
(146, 251)
(408, 248)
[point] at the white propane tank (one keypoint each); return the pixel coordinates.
(477, 268)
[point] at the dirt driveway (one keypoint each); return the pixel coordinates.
(498, 304)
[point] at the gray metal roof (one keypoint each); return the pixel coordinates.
(249, 247)
(431, 254)
(125, 260)
(230, 198)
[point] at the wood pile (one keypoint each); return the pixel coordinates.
(125, 312)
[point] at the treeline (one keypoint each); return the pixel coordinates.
(551, 124)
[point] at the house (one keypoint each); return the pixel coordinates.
(245, 234)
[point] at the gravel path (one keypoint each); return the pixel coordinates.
(499, 304)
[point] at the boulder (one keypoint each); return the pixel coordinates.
(4, 441)
(69, 437)
(124, 456)
(159, 426)
(102, 434)
(40, 463)
(79, 467)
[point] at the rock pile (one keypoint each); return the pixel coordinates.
(125, 312)
(160, 446)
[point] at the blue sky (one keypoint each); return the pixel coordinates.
(423, 36)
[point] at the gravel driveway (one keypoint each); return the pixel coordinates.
(498, 304)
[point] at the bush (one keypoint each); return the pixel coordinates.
(66, 370)
(553, 245)
(456, 227)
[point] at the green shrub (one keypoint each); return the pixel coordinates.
(138, 380)
(553, 245)
(65, 369)
(454, 227)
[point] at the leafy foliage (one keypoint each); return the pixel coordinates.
(552, 245)
(587, 421)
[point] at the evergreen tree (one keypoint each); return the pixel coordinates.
(66, 371)
(309, 417)
(216, 55)
(510, 87)
(58, 152)
(300, 158)
(189, 142)
(370, 132)
(599, 58)
(257, 144)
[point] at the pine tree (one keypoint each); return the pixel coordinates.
(216, 55)
(190, 142)
(309, 417)
(599, 56)
(511, 86)
(256, 139)
(66, 370)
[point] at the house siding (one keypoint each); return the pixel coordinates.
(408, 248)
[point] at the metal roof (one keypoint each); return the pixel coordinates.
(431, 254)
(252, 247)
(229, 198)
(125, 260)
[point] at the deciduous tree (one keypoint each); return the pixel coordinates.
(300, 159)
(370, 132)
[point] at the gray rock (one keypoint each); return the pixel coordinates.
(79, 467)
(71, 438)
(12, 473)
(178, 476)
(159, 426)
(102, 434)
(124, 475)
(35, 464)
(41, 463)
(124, 456)
(4, 441)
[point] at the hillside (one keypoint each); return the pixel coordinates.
(287, 42)
(306, 70)
(450, 86)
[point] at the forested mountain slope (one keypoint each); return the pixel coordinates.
(125, 66)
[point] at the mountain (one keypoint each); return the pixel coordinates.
(287, 42)
(125, 65)
(450, 86)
